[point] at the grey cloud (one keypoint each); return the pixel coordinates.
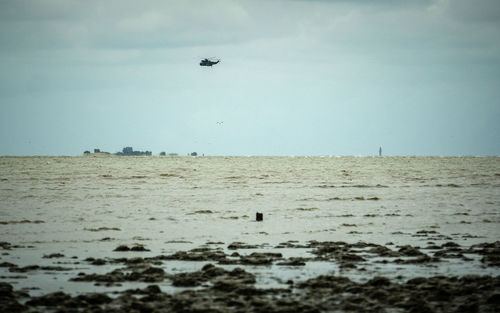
(122, 24)
(136, 25)
(375, 3)
(475, 11)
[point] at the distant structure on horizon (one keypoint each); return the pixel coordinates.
(96, 152)
(172, 154)
(129, 151)
(380, 151)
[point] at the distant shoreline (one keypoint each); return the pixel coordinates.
(264, 156)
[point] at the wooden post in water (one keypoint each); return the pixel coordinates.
(259, 217)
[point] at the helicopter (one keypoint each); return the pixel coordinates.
(207, 62)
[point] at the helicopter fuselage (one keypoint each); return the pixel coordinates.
(207, 62)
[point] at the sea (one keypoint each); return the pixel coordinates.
(86, 206)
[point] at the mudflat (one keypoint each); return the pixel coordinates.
(178, 234)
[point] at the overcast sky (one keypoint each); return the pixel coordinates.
(295, 77)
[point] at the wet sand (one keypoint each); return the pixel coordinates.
(179, 234)
(233, 278)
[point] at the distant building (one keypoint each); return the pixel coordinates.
(163, 153)
(97, 152)
(129, 151)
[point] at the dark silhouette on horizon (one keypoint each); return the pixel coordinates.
(129, 151)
